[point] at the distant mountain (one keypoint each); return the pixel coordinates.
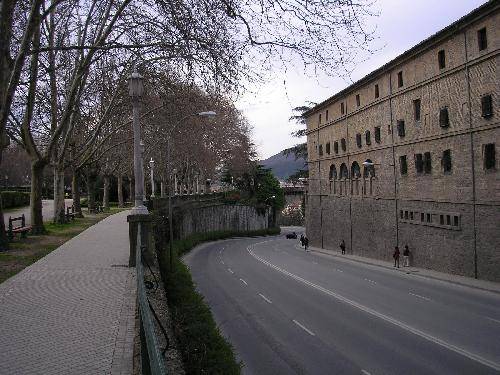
(283, 166)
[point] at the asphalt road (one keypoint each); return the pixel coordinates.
(290, 312)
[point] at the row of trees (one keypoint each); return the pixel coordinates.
(64, 66)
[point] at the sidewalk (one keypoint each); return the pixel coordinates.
(72, 312)
(421, 272)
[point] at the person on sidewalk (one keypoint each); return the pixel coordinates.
(302, 240)
(342, 246)
(396, 256)
(406, 257)
(306, 243)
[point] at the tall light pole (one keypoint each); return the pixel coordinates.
(152, 166)
(170, 221)
(136, 89)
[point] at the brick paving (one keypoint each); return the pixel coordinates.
(73, 311)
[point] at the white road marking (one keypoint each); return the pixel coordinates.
(230, 270)
(417, 332)
(314, 262)
(371, 281)
(419, 296)
(244, 282)
(222, 262)
(339, 270)
(265, 298)
(364, 372)
(304, 328)
(494, 320)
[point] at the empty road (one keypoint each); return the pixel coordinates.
(290, 312)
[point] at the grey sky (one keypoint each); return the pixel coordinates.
(400, 25)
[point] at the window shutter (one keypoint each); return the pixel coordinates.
(358, 139)
(336, 147)
(401, 128)
(377, 134)
(486, 106)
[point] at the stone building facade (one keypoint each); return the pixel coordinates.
(410, 155)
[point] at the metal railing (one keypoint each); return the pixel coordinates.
(151, 357)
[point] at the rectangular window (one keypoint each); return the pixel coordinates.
(342, 144)
(326, 115)
(411, 215)
(342, 109)
(400, 79)
(406, 215)
(486, 106)
(419, 163)
(455, 221)
(401, 214)
(482, 40)
(320, 150)
(446, 161)
(416, 109)
(403, 165)
(319, 119)
(368, 138)
(377, 134)
(422, 216)
(427, 163)
(441, 59)
(358, 100)
(377, 94)
(441, 219)
(401, 128)
(336, 147)
(448, 220)
(358, 140)
(327, 148)
(444, 120)
(429, 218)
(489, 156)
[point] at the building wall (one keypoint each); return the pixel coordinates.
(460, 230)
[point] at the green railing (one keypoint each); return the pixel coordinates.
(151, 357)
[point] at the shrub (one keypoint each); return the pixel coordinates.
(11, 199)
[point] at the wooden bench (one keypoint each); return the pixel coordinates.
(70, 213)
(23, 228)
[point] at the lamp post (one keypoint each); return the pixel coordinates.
(136, 89)
(151, 166)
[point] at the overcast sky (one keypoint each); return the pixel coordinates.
(400, 25)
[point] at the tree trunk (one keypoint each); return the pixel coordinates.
(37, 168)
(105, 196)
(91, 193)
(59, 205)
(162, 189)
(75, 190)
(120, 191)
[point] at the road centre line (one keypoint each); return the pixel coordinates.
(230, 270)
(265, 298)
(493, 320)
(364, 372)
(244, 282)
(419, 296)
(304, 328)
(417, 332)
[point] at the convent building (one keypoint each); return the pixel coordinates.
(409, 155)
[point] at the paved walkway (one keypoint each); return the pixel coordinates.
(47, 211)
(73, 311)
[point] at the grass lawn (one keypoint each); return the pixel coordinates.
(26, 251)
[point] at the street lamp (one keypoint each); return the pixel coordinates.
(151, 166)
(136, 89)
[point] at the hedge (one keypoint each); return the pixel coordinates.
(204, 350)
(12, 199)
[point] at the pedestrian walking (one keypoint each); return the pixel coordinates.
(406, 257)
(396, 256)
(306, 242)
(342, 246)
(302, 240)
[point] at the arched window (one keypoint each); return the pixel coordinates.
(369, 169)
(333, 172)
(355, 171)
(344, 173)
